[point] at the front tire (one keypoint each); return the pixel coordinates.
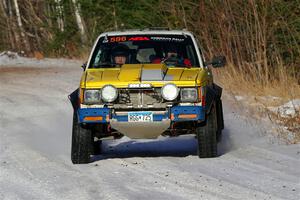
(206, 136)
(82, 143)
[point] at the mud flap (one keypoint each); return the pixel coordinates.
(73, 97)
(220, 118)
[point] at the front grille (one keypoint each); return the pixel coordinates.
(140, 98)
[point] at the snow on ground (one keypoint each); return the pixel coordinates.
(288, 109)
(8, 58)
(35, 135)
(239, 98)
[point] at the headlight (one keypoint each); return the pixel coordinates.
(92, 96)
(188, 94)
(169, 92)
(109, 93)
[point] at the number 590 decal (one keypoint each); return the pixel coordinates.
(118, 39)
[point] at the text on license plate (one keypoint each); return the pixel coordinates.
(140, 117)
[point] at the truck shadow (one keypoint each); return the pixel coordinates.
(163, 146)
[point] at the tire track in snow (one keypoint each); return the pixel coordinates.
(189, 182)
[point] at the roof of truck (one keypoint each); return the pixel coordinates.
(147, 31)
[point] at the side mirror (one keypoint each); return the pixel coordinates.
(217, 61)
(83, 66)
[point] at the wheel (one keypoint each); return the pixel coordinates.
(82, 142)
(206, 136)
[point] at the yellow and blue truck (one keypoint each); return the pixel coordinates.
(146, 83)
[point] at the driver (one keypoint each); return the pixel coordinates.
(172, 56)
(120, 54)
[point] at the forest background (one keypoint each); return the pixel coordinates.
(260, 38)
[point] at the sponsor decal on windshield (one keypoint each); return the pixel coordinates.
(141, 38)
(169, 39)
(118, 39)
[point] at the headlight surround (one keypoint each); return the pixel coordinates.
(188, 94)
(92, 96)
(169, 92)
(109, 93)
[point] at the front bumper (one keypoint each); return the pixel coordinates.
(174, 114)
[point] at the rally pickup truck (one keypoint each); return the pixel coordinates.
(143, 84)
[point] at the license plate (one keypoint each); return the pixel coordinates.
(140, 117)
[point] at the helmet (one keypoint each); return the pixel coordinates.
(171, 48)
(120, 50)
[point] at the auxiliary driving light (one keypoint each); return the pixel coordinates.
(109, 93)
(169, 92)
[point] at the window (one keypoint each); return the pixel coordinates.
(173, 50)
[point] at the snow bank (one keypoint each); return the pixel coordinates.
(288, 109)
(240, 98)
(8, 58)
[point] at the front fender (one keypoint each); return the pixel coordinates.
(213, 94)
(73, 97)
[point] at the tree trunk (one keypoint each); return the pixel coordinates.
(3, 16)
(115, 17)
(60, 21)
(20, 25)
(80, 23)
(11, 26)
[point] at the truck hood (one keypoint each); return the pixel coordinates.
(156, 74)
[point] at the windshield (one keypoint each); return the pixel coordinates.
(173, 50)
